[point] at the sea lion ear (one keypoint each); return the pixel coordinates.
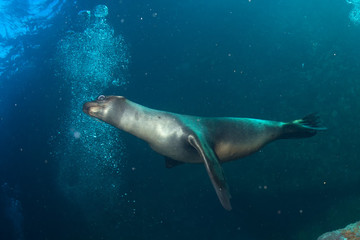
(101, 98)
(213, 168)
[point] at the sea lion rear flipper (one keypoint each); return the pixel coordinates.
(213, 168)
(308, 126)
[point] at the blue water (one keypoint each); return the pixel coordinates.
(64, 175)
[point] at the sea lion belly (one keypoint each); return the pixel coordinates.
(234, 138)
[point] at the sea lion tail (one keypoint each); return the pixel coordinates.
(308, 126)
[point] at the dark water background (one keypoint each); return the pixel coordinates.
(275, 60)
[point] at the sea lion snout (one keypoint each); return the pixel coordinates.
(92, 109)
(86, 108)
(97, 107)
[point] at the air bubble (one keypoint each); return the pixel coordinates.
(90, 59)
(354, 15)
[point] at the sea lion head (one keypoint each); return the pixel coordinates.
(102, 108)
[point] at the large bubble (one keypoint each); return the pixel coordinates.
(90, 153)
(354, 15)
(101, 11)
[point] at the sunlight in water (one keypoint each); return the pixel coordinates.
(19, 19)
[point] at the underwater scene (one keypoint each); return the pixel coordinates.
(152, 119)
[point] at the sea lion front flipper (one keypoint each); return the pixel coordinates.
(213, 168)
(170, 163)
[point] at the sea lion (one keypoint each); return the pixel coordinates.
(191, 139)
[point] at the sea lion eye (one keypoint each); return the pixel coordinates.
(101, 98)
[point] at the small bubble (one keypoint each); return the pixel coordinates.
(77, 135)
